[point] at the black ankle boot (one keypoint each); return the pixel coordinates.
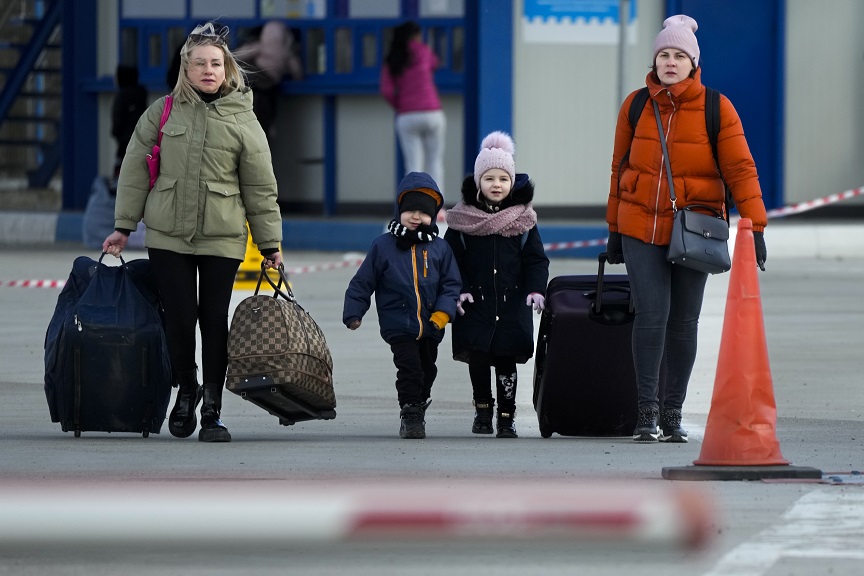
(506, 427)
(483, 416)
(212, 428)
(182, 421)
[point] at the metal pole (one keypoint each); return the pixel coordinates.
(623, 17)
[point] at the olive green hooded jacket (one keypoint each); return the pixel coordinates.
(215, 175)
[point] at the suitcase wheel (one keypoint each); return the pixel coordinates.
(77, 433)
(545, 433)
(145, 434)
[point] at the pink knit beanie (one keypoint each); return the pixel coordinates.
(496, 151)
(678, 32)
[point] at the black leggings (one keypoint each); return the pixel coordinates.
(480, 371)
(178, 277)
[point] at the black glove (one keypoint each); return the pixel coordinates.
(614, 253)
(761, 250)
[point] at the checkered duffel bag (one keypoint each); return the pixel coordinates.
(278, 357)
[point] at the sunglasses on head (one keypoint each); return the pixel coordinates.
(212, 35)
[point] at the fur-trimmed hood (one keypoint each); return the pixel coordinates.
(522, 193)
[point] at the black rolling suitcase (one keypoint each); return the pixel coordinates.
(106, 358)
(584, 380)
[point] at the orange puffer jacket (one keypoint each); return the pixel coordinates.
(639, 205)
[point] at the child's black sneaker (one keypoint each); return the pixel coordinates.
(670, 426)
(413, 424)
(646, 427)
(482, 417)
(506, 428)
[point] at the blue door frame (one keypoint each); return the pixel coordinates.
(78, 133)
(726, 41)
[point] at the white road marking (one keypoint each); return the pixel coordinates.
(825, 523)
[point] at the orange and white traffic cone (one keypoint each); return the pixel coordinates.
(740, 436)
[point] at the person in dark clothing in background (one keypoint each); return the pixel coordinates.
(129, 104)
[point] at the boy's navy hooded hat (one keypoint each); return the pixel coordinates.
(418, 191)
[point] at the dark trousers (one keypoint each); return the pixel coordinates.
(415, 369)
(196, 290)
(480, 371)
(668, 301)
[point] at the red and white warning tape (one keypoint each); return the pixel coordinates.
(550, 247)
(33, 283)
(347, 263)
(812, 204)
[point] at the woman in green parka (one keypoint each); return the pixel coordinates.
(215, 176)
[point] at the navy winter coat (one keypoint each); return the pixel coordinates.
(409, 285)
(499, 272)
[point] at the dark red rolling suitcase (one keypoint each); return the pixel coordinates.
(584, 380)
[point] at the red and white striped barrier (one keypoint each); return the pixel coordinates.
(663, 514)
(550, 247)
(813, 204)
(347, 263)
(33, 283)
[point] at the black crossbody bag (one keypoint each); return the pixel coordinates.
(699, 239)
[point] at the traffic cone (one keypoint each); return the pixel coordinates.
(740, 440)
(250, 269)
(743, 416)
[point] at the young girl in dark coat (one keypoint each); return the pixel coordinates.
(493, 234)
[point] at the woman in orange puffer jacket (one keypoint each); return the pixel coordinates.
(668, 298)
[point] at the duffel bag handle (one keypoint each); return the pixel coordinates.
(278, 291)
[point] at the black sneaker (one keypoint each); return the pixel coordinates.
(413, 425)
(482, 417)
(506, 428)
(670, 427)
(646, 427)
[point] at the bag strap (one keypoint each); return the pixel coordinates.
(287, 294)
(665, 155)
(633, 114)
(166, 111)
(712, 123)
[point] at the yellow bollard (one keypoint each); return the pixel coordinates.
(250, 269)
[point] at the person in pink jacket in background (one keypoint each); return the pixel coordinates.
(408, 84)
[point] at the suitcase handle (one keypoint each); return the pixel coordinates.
(289, 295)
(598, 300)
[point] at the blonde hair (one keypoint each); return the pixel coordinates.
(208, 35)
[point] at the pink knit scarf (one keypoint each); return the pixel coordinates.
(511, 221)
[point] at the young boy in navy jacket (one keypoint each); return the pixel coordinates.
(416, 283)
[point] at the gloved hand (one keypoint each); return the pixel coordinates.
(761, 250)
(465, 297)
(440, 319)
(614, 252)
(537, 300)
(354, 324)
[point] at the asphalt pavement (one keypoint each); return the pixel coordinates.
(277, 499)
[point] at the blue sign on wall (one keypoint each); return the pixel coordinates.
(575, 21)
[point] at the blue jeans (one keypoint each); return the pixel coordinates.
(668, 300)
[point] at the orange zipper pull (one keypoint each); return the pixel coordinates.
(425, 262)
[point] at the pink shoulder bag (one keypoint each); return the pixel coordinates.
(153, 157)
